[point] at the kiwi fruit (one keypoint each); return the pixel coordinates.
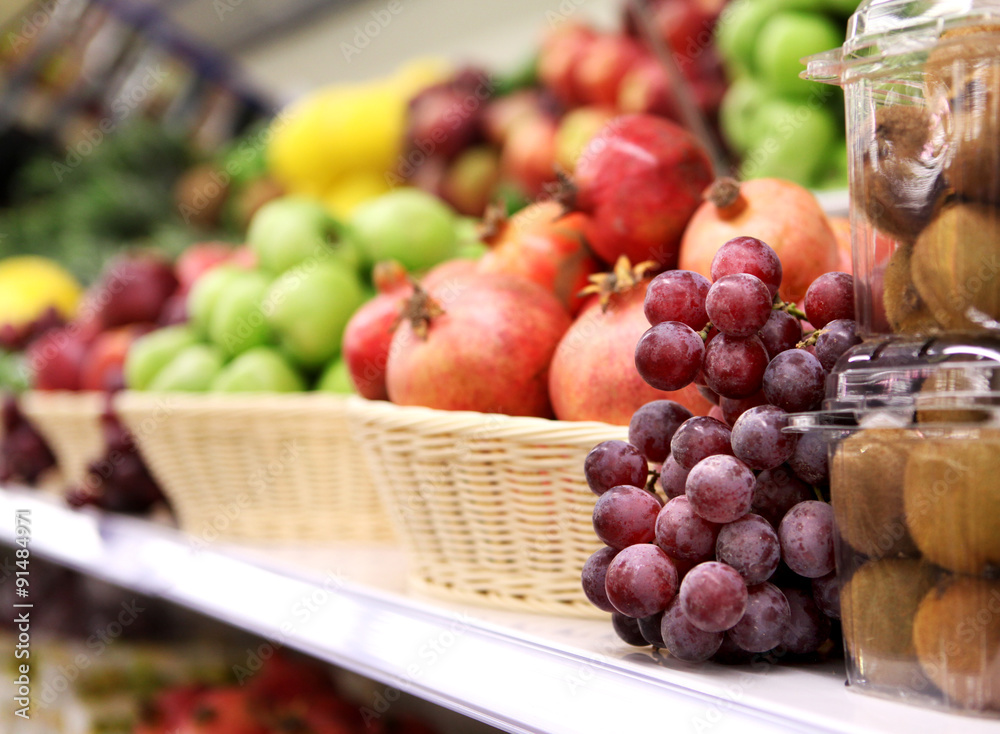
(902, 172)
(943, 396)
(904, 308)
(951, 498)
(956, 267)
(956, 635)
(877, 607)
(866, 482)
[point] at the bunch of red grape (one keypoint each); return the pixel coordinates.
(738, 559)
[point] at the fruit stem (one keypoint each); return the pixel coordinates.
(564, 190)
(419, 309)
(654, 477)
(809, 340)
(706, 331)
(724, 193)
(621, 280)
(789, 308)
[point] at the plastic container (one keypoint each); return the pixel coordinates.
(914, 445)
(922, 90)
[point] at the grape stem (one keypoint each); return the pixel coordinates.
(706, 331)
(791, 308)
(809, 339)
(654, 477)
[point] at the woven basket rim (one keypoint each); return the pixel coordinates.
(130, 401)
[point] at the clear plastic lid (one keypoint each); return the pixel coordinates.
(885, 35)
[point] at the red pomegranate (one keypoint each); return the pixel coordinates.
(480, 343)
(369, 332)
(593, 375)
(640, 179)
(546, 246)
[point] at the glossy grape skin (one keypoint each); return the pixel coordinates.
(673, 478)
(677, 295)
(654, 425)
(830, 297)
(720, 488)
(806, 535)
(713, 596)
(625, 516)
(612, 464)
(808, 628)
(734, 367)
(649, 628)
(750, 545)
(795, 381)
(748, 255)
(826, 593)
(738, 304)
(810, 460)
(627, 629)
(683, 534)
(758, 440)
(776, 491)
(592, 578)
(641, 580)
(781, 333)
(767, 615)
(699, 438)
(683, 640)
(834, 340)
(733, 408)
(669, 355)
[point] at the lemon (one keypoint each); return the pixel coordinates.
(30, 284)
(347, 194)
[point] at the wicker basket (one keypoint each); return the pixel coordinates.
(277, 468)
(490, 509)
(71, 424)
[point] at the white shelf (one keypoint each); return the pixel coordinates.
(518, 672)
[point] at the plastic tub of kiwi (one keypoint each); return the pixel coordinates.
(922, 89)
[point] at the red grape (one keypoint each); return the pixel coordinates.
(734, 367)
(673, 478)
(748, 255)
(684, 535)
(699, 438)
(834, 339)
(830, 297)
(593, 575)
(758, 440)
(781, 333)
(649, 627)
(776, 492)
(653, 426)
(624, 516)
(683, 640)
(810, 460)
(738, 304)
(612, 464)
(767, 616)
(806, 535)
(627, 628)
(706, 392)
(750, 545)
(795, 381)
(720, 488)
(677, 295)
(713, 596)
(808, 628)
(733, 408)
(826, 592)
(641, 580)
(668, 356)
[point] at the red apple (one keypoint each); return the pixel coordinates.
(599, 73)
(529, 156)
(56, 358)
(101, 368)
(562, 51)
(133, 290)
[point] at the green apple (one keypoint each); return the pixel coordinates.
(841, 7)
(336, 378)
(408, 225)
(237, 321)
(149, 354)
(289, 231)
(205, 292)
(791, 141)
(309, 309)
(261, 369)
(192, 370)
(736, 114)
(784, 40)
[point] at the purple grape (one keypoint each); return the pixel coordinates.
(706, 392)
(641, 580)
(649, 627)
(810, 460)
(613, 464)
(677, 295)
(720, 488)
(24, 454)
(713, 596)
(834, 340)
(808, 628)
(795, 381)
(595, 570)
(673, 478)
(748, 255)
(733, 408)
(739, 304)
(734, 367)
(625, 516)
(830, 297)
(653, 426)
(730, 653)
(826, 593)
(683, 640)
(699, 438)
(684, 535)
(750, 545)
(781, 333)
(758, 440)
(776, 491)
(806, 535)
(767, 616)
(668, 356)
(628, 630)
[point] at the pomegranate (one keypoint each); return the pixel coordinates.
(369, 332)
(600, 71)
(640, 179)
(562, 51)
(448, 272)
(781, 213)
(482, 343)
(545, 246)
(528, 157)
(593, 375)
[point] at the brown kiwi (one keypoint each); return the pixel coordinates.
(877, 606)
(904, 308)
(943, 396)
(866, 481)
(956, 635)
(951, 497)
(903, 178)
(956, 267)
